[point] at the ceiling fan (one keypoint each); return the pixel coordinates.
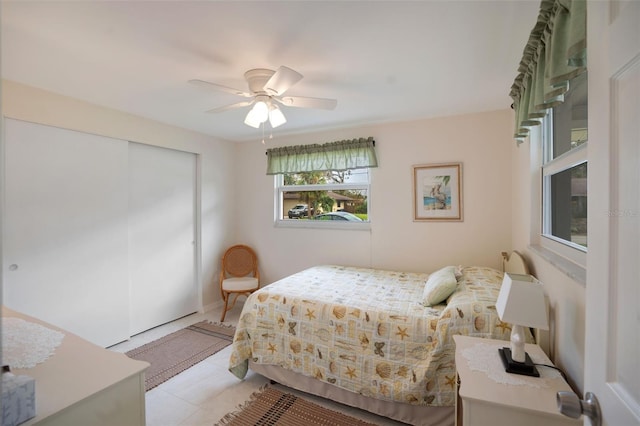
(266, 90)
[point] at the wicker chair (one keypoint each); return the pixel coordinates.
(239, 275)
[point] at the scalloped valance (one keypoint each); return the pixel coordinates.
(341, 155)
(554, 54)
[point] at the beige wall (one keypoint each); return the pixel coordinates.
(480, 141)
(566, 296)
(216, 159)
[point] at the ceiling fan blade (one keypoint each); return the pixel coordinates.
(281, 80)
(232, 106)
(219, 87)
(303, 102)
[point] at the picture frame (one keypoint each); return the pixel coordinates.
(437, 192)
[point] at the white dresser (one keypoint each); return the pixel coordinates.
(84, 384)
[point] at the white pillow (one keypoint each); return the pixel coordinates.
(440, 285)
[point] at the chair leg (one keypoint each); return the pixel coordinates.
(226, 302)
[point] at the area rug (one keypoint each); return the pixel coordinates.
(182, 349)
(270, 407)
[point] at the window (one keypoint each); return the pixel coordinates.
(324, 198)
(564, 174)
(321, 185)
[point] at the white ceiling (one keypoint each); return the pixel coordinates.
(383, 61)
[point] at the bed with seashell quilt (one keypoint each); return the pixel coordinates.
(374, 339)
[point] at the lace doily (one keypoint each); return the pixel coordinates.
(484, 357)
(26, 344)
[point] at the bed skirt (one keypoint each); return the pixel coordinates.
(407, 413)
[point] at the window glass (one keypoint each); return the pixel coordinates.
(328, 177)
(324, 196)
(569, 205)
(570, 118)
(564, 170)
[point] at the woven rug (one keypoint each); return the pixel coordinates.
(182, 349)
(270, 407)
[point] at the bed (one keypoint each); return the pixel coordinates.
(365, 337)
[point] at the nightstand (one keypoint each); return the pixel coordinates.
(488, 396)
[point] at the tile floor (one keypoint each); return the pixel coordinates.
(204, 393)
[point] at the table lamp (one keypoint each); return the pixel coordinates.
(521, 302)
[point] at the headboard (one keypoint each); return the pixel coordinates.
(514, 263)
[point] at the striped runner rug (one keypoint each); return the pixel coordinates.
(182, 349)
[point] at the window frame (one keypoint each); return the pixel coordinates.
(550, 166)
(280, 188)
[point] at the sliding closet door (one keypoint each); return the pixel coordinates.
(65, 234)
(161, 235)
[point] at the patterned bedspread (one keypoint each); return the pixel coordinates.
(367, 331)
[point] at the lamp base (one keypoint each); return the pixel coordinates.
(525, 368)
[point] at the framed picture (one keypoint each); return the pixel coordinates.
(437, 192)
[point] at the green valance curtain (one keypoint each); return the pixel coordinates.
(340, 155)
(555, 53)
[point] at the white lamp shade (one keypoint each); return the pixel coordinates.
(252, 119)
(276, 117)
(261, 110)
(521, 301)
(258, 115)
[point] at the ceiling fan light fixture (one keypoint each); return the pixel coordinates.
(261, 110)
(252, 120)
(258, 115)
(276, 117)
(266, 87)
(252, 123)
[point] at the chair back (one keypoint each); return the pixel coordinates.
(240, 261)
